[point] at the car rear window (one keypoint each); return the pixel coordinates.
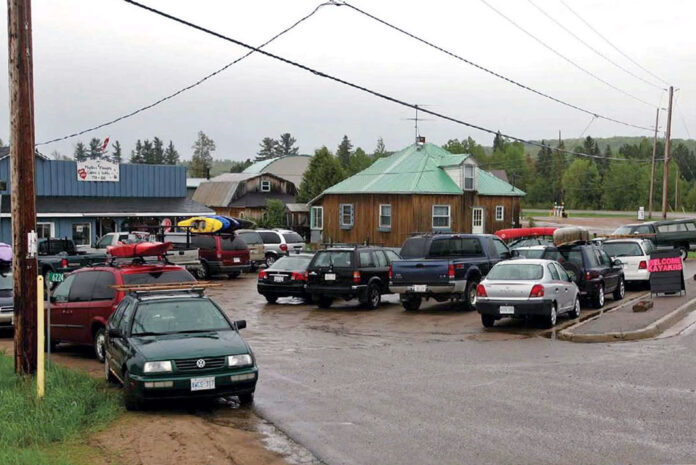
(233, 243)
(340, 259)
(290, 264)
(269, 237)
(530, 253)
(202, 241)
(251, 237)
(158, 277)
(623, 249)
(515, 271)
(456, 247)
(292, 237)
(414, 247)
(573, 256)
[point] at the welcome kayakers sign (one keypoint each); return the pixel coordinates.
(666, 272)
(97, 170)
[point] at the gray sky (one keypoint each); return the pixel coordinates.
(95, 60)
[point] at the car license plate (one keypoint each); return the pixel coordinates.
(507, 310)
(236, 259)
(420, 288)
(330, 277)
(278, 279)
(202, 384)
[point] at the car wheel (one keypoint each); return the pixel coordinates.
(110, 378)
(487, 321)
(325, 302)
(550, 321)
(373, 297)
(271, 299)
(270, 260)
(100, 344)
(620, 290)
(683, 252)
(598, 298)
(204, 271)
(575, 312)
(470, 294)
(130, 398)
(246, 399)
(411, 304)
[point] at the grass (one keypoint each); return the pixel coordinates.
(48, 432)
(542, 213)
(692, 254)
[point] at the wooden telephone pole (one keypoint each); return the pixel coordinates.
(665, 174)
(22, 191)
(652, 168)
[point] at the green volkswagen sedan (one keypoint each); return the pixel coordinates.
(177, 345)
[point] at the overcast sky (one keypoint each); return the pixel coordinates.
(97, 59)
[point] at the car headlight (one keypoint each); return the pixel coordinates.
(157, 367)
(238, 361)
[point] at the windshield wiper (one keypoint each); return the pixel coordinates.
(195, 331)
(147, 333)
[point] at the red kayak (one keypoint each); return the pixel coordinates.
(516, 233)
(139, 249)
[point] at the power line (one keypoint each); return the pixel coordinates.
(597, 52)
(189, 87)
(348, 83)
(612, 45)
(491, 72)
(565, 58)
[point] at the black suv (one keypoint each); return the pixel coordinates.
(595, 272)
(360, 272)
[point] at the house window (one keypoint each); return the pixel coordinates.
(385, 216)
(265, 186)
(45, 230)
(441, 217)
(82, 233)
(317, 220)
(499, 213)
(347, 215)
(469, 173)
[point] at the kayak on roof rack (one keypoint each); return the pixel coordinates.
(139, 249)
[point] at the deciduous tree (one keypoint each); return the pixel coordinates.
(324, 171)
(202, 158)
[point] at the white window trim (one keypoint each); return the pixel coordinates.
(341, 215)
(379, 216)
(314, 217)
(500, 208)
(473, 177)
(449, 217)
(52, 227)
(267, 183)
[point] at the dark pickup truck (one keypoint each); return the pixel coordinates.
(61, 255)
(677, 234)
(444, 267)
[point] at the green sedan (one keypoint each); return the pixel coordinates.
(177, 345)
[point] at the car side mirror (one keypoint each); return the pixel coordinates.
(617, 262)
(515, 253)
(240, 324)
(114, 333)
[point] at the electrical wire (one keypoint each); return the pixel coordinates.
(491, 72)
(597, 52)
(190, 86)
(348, 83)
(565, 58)
(612, 45)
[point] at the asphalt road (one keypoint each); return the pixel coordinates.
(389, 387)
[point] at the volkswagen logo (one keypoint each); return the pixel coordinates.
(200, 363)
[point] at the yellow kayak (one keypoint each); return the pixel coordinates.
(201, 224)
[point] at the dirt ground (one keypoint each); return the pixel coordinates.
(598, 225)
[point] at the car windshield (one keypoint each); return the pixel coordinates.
(178, 316)
(290, 264)
(573, 256)
(623, 249)
(516, 271)
(5, 281)
(158, 277)
(530, 253)
(341, 259)
(623, 230)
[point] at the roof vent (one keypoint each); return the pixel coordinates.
(420, 141)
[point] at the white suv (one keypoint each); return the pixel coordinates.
(634, 255)
(279, 242)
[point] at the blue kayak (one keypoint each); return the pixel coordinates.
(226, 223)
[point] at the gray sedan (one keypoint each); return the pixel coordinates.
(527, 288)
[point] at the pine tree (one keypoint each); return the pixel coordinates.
(324, 171)
(137, 153)
(171, 155)
(544, 162)
(269, 148)
(95, 148)
(116, 154)
(343, 152)
(157, 156)
(499, 142)
(147, 152)
(380, 150)
(80, 152)
(286, 145)
(359, 161)
(202, 159)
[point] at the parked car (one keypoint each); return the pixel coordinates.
(444, 267)
(257, 255)
(221, 254)
(177, 345)
(527, 288)
(183, 252)
(61, 255)
(634, 255)
(6, 299)
(83, 302)
(360, 272)
(286, 277)
(279, 242)
(678, 234)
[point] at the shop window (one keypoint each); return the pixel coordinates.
(45, 230)
(82, 233)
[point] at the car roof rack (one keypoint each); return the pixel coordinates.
(165, 288)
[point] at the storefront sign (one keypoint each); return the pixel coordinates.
(666, 271)
(97, 170)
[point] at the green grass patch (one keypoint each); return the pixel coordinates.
(47, 432)
(541, 213)
(692, 254)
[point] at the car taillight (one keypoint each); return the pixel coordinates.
(450, 271)
(295, 276)
(356, 277)
(262, 274)
(219, 255)
(481, 291)
(391, 272)
(284, 247)
(591, 275)
(306, 275)
(643, 265)
(537, 291)
(64, 263)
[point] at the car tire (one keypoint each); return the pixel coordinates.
(575, 312)
(110, 378)
(470, 294)
(246, 399)
(234, 274)
(620, 290)
(271, 299)
(373, 297)
(100, 344)
(270, 260)
(204, 271)
(598, 297)
(552, 318)
(487, 321)
(324, 302)
(411, 304)
(130, 399)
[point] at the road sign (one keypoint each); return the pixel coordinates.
(666, 272)
(54, 277)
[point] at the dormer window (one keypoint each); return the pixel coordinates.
(265, 186)
(469, 177)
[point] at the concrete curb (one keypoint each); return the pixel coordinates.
(649, 331)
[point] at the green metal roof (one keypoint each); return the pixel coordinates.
(489, 184)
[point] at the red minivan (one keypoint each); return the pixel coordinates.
(221, 254)
(81, 305)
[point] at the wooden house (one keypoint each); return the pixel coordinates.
(422, 188)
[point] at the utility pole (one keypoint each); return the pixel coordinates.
(676, 189)
(23, 207)
(652, 168)
(665, 174)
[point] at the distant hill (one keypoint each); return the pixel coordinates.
(614, 142)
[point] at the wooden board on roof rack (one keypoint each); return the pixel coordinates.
(193, 285)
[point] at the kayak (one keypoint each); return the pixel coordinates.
(201, 224)
(516, 233)
(5, 252)
(570, 235)
(138, 249)
(226, 223)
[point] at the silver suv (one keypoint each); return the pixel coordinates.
(279, 242)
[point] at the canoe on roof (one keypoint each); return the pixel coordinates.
(570, 235)
(516, 233)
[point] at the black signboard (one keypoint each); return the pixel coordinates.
(666, 272)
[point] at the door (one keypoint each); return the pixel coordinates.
(72, 319)
(120, 349)
(59, 303)
(102, 302)
(368, 266)
(568, 287)
(608, 270)
(382, 269)
(477, 221)
(556, 287)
